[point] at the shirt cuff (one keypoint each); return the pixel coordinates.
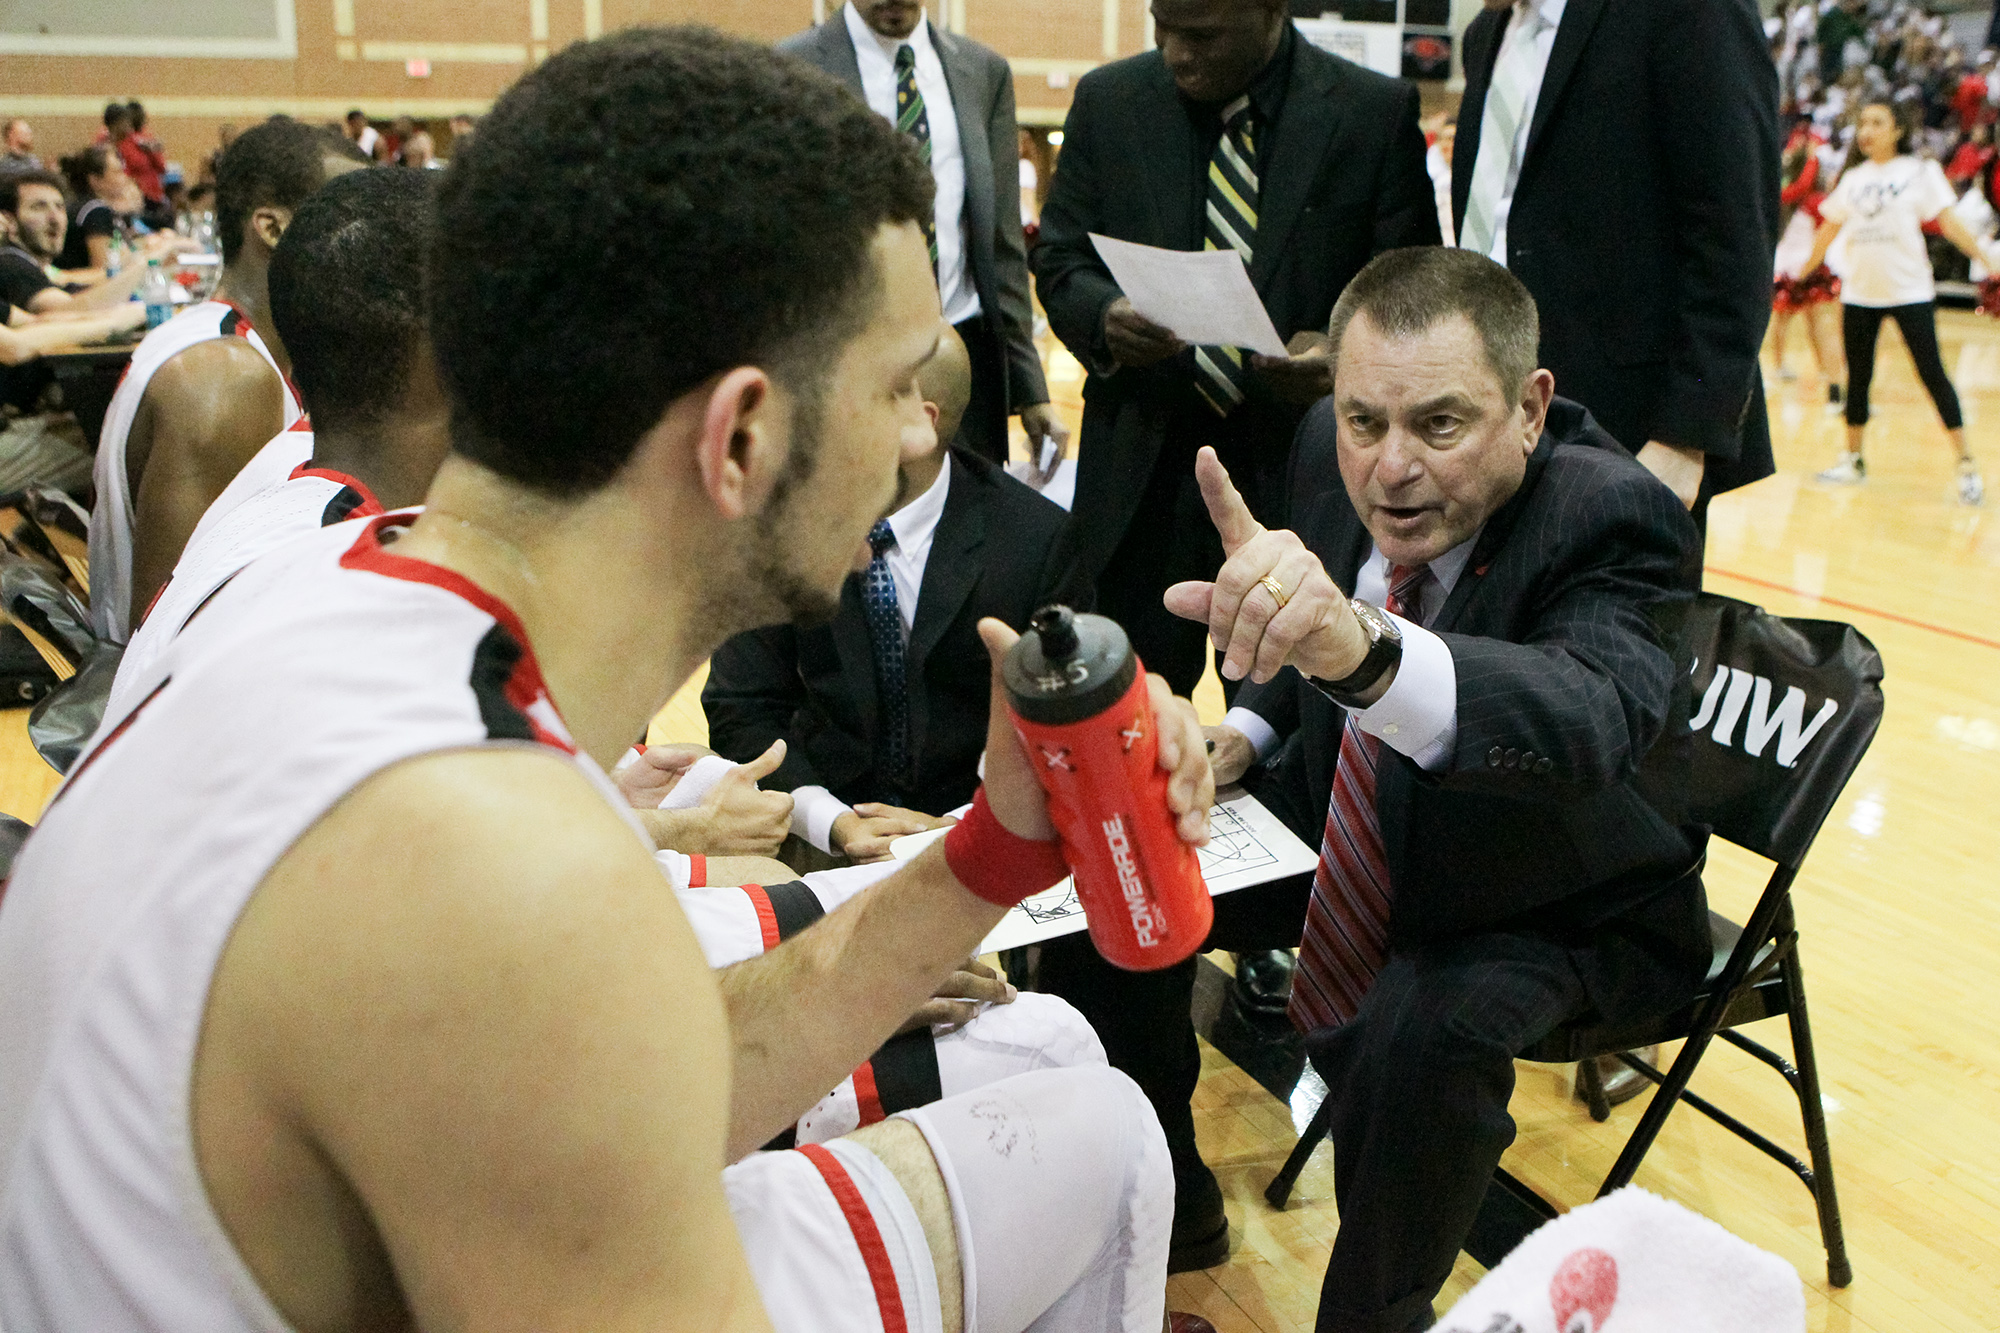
(1418, 714)
(1255, 729)
(813, 811)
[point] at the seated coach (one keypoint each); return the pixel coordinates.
(883, 711)
(1472, 723)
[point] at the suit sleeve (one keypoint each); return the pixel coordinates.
(1587, 686)
(1075, 287)
(753, 697)
(1715, 96)
(1405, 197)
(1015, 312)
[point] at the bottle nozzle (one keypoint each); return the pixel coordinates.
(1056, 627)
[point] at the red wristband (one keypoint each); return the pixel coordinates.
(994, 864)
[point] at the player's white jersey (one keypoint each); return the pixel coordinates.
(111, 519)
(304, 500)
(316, 668)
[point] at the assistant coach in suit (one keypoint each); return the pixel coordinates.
(957, 97)
(1234, 132)
(965, 541)
(1621, 157)
(1493, 863)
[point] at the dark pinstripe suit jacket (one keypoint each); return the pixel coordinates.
(1560, 630)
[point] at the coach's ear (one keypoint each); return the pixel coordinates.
(1536, 391)
(742, 442)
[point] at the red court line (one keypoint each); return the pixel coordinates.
(1855, 606)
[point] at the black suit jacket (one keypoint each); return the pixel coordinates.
(1342, 178)
(1646, 215)
(982, 100)
(993, 555)
(1558, 629)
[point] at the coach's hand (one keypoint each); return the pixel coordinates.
(1135, 340)
(1306, 622)
(959, 996)
(1016, 795)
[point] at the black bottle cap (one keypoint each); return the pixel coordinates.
(1068, 667)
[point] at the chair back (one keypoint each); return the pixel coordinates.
(1783, 710)
(41, 604)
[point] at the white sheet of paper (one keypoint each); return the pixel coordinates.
(1247, 845)
(1204, 296)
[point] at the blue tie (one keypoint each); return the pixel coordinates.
(885, 627)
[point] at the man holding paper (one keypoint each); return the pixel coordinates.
(1234, 135)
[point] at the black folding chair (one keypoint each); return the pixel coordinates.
(1784, 711)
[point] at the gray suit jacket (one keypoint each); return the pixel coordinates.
(982, 101)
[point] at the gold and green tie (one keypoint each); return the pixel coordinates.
(1231, 225)
(911, 120)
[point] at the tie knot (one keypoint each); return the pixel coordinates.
(1237, 114)
(881, 537)
(906, 58)
(1406, 584)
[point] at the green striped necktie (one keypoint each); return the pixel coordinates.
(1231, 224)
(911, 120)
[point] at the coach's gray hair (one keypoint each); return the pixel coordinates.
(1405, 292)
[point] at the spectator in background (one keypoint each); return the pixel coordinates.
(418, 150)
(18, 152)
(1438, 162)
(361, 134)
(391, 147)
(956, 99)
(462, 126)
(1844, 22)
(32, 205)
(106, 200)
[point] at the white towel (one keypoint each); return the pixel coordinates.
(698, 781)
(1633, 1263)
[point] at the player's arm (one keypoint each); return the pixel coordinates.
(803, 1015)
(463, 1038)
(208, 411)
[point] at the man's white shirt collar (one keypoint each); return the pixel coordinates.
(916, 522)
(865, 37)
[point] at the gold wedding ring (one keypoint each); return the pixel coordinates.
(1276, 589)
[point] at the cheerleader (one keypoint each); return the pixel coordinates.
(1816, 297)
(1881, 204)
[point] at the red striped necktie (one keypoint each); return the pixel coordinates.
(1347, 920)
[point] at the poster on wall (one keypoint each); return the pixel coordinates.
(1426, 55)
(252, 29)
(1376, 46)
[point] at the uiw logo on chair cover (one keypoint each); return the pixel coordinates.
(1731, 688)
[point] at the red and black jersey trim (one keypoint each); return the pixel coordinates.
(352, 500)
(505, 679)
(783, 910)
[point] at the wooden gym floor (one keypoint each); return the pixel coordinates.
(1896, 905)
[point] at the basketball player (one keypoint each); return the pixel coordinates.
(333, 988)
(207, 389)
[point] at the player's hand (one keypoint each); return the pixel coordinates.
(1311, 626)
(958, 997)
(1015, 792)
(1135, 340)
(1232, 756)
(736, 819)
(646, 781)
(864, 833)
(1305, 375)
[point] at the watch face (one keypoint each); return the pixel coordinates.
(1376, 622)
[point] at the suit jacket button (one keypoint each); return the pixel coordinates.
(1493, 757)
(1511, 758)
(1543, 765)
(1527, 761)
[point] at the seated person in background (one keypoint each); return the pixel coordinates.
(883, 711)
(207, 389)
(1473, 725)
(31, 203)
(383, 1021)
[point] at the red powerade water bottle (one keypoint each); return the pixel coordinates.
(1077, 693)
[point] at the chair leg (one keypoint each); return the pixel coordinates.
(1838, 1271)
(1279, 1191)
(1664, 1099)
(1590, 1086)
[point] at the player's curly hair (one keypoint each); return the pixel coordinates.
(641, 213)
(274, 165)
(347, 291)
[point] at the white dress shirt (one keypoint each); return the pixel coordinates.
(1540, 42)
(1418, 713)
(815, 808)
(876, 55)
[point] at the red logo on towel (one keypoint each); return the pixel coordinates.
(1583, 1291)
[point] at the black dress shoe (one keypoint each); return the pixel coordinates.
(1621, 1082)
(1201, 1228)
(1264, 980)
